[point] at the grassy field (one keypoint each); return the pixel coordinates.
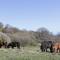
(27, 53)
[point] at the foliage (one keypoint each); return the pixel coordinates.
(26, 37)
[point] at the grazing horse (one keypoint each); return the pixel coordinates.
(45, 45)
(14, 44)
(56, 47)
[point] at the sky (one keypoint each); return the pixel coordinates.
(31, 14)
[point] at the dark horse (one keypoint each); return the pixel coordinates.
(14, 44)
(11, 44)
(45, 45)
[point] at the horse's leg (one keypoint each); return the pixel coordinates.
(59, 50)
(45, 49)
(51, 50)
(55, 50)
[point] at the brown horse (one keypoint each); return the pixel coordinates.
(56, 47)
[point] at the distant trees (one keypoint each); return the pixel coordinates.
(1, 27)
(10, 29)
(27, 37)
(57, 37)
(44, 34)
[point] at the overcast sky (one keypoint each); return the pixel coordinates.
(31, 14)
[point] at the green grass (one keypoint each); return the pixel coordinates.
(27, 53)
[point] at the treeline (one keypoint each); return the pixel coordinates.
(25, 37)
